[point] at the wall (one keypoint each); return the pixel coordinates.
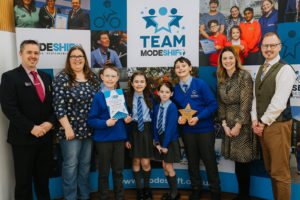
(8, 60)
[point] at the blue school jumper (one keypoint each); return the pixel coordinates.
(171, 131)
(201, 98)
(97, 119)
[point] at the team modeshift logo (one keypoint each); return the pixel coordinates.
(166, 34)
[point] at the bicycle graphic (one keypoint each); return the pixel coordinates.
(114, 22)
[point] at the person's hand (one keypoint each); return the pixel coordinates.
(256, 128)
(193, 121)
(127, 119)
(108, 61)
(70, 135)
(218, 47)
(153, 142)
(128, 145)
(227, 131)
(181, 121)
(261, 127)
(46, 126)
(242, 48)
(235, 131)
(38, 131)
(159, 148)
(254, 124)
(111, 122)
(164, 150)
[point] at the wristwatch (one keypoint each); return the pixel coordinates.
(261, 122)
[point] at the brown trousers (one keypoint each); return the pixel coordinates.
(276, 143)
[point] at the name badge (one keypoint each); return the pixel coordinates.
(194, 94)
(28, 84)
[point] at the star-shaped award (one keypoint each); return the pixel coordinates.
(187, 113)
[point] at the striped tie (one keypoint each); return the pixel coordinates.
(185, 87)
(160, 120)
(140, 115)
(263, 73)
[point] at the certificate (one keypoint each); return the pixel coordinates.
(116, 104)
(208, 46)
(61, 21)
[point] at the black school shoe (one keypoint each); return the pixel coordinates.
(241, 197)
(167, 196)
(139, 194)
(215, 195)
(147, 194)
(196, 195)
(175, 198)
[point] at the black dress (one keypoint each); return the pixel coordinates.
(46, 19)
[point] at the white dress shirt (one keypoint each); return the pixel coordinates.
(285, 80)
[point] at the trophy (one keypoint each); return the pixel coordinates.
(187, 113)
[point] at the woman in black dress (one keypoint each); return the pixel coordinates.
(47, 14)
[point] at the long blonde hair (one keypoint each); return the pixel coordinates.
(271, 2)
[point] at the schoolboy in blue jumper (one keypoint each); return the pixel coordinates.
(109, 136)
(165, 134)
(198, 136)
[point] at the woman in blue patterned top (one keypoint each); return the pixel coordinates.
(73, 91)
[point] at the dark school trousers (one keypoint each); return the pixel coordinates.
(111, 155)
(201, 146)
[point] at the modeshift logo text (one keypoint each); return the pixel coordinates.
(56, 48)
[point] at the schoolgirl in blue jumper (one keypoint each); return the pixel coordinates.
(140, 141)
(165, 132)
(109, 136)
(198, 135)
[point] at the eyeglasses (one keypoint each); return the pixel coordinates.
(76, 57)
(214, 26)
(272, 46)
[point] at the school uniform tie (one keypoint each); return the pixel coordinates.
(38, 86)
(160, 120)
(264, 71)
(185, 87)
(140, 115)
